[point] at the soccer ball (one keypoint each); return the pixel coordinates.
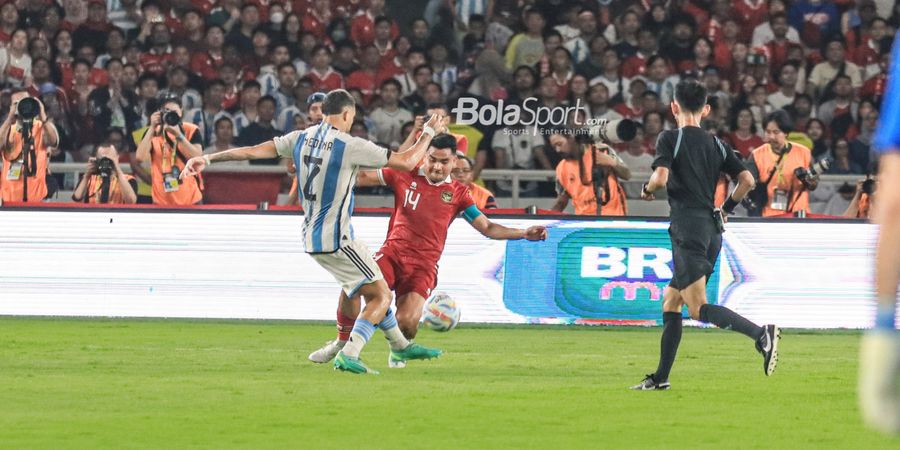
(441, 313)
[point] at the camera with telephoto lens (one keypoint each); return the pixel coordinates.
(818, 168)
(868, 186)
(171, 118)
(105, 167)
(28, 108)
(609, 132)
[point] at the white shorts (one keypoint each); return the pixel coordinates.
(352, 266)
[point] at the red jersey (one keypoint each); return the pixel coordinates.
(156, 63)
(362, 30)
(365, 82)
(328, 81)
(422, 212)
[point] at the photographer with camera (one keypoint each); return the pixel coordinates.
(104, 181)
(861, 204)
(591, 169)
(167, 144)
(785, 171)
(27, 135)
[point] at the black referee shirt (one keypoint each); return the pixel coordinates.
(695, 159)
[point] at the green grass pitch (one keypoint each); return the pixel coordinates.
(74, 383)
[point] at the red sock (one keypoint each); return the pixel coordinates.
(344, 326)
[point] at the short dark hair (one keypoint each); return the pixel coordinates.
(213, 83)
(250, 84)
(170, 99)
(392, 82)
(782, 119)
(444, 141)
(381, 19)
(690, 95)
(437, 106)
(336, 101)
(266, 98)
(146, 77)
(223, 119)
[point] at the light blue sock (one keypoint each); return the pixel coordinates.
(885, 316)
(361, 333)
(392, 331)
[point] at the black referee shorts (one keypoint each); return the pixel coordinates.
(695, 247)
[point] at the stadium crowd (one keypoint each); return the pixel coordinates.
(240, 72)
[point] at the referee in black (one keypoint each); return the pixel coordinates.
(688, 163)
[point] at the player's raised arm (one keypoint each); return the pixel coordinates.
(407, 159)
(195, 165)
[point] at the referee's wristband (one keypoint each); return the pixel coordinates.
(428, 130)
(206, 160)
(729, 205)
(644, 189)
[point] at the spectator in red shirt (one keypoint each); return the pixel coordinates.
(744, 137)
(383, 40)
(318, 18)
(15, 62)
(230, 76)
(777, 48)
(712, 28)
(324, 77)
(206, 64)
(9, 21)
(99, 77)
(158, 59)
(751, 13)
(366, 77)
(62, 44)
(362, 28)
(722, 46)
(647, 47)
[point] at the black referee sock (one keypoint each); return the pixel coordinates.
(727, 319)
(668, 345)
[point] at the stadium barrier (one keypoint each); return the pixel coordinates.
(240, 263)
(251, 184)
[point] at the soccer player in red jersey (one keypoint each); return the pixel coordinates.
(426, 200)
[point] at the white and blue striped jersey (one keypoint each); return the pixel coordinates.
(327, 162)
(466, 8)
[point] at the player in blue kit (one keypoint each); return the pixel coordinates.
(879, 376)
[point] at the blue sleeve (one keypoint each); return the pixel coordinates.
(471, 213)
(887, 136)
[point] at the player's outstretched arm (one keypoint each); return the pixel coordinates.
(496, 231)
(408, 159)
(195, 165)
